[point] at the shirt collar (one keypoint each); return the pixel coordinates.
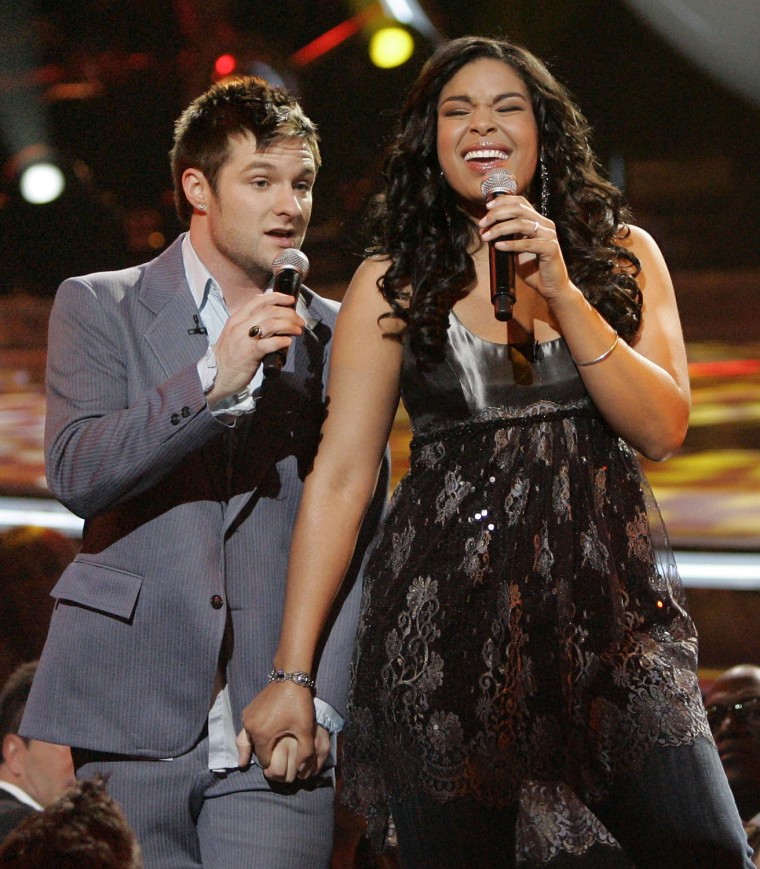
(21, 796)
(198, 276)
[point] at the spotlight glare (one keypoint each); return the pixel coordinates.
(390, 47)
(398, 9)
(225, 64)
(41, 183)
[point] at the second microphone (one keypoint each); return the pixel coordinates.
(501, 263)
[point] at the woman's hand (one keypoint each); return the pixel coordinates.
(279, 725)
(513, 224)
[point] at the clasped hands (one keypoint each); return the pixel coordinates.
(279, 725)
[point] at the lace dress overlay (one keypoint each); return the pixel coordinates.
(523, 638)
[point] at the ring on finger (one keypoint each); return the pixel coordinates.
(254, 332)
(535, 228)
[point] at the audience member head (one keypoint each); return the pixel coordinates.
(31, 560)
(733, 710)
(231, 109)
(82, 829)
(41, 769)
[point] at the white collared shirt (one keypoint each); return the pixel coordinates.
(21, 796)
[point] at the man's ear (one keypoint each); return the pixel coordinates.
(196, 187)
(14, 752)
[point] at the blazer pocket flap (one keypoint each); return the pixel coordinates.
(99, 587)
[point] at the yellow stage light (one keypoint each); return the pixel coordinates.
(390, 46)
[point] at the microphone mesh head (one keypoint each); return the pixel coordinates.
(498, 182)
(291, 258)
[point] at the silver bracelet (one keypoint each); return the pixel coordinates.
(298, 678)
(607, 352)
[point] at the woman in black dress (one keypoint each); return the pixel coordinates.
(524, 685)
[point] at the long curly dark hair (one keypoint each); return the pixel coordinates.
(416, 223)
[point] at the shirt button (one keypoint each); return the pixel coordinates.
(216, 602)
(185, 412)
(175, 419)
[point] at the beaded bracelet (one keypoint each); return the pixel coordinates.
(298, 678)
(607, 352)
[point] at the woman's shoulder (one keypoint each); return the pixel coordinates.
(653, 276)
(635, 238)
(364, 297)
(373, 267)
(366, 280)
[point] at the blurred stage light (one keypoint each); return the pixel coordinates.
(398, 9)
(42, 513)
(41, 183)
(35, 170)
(224, 65)
(390, 47)
(45, 239)
(393, 49)
(335, 36)
(410, 12)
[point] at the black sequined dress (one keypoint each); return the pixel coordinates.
(523, 639)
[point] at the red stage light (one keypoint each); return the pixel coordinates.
(725, 368)
(225, 64)
(327, 41)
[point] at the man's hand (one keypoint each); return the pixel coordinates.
(238, 355)
(279, 725)
(283, 766)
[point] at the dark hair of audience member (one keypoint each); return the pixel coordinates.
(83, 829)
(13, 697)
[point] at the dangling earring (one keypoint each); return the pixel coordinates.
(442, 181)
(544, 207)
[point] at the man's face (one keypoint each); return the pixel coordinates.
(733, 705)
(48, 770)
(262, 204)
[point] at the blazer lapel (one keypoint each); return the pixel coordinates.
(174, 335)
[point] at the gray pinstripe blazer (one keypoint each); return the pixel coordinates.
(187, 522)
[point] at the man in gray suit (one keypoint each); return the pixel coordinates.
(187, 464)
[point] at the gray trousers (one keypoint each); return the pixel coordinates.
(186, 816)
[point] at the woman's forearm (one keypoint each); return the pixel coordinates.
(328, 523)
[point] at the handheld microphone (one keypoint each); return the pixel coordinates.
(501, 263)
(290, 268)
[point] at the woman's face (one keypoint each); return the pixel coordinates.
(485, 122)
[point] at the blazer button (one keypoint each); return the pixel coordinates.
(175, 419)
(185, 412)
(216, 602)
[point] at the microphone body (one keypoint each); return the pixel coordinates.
(501, 268)
(290, 268)
(501, 263)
